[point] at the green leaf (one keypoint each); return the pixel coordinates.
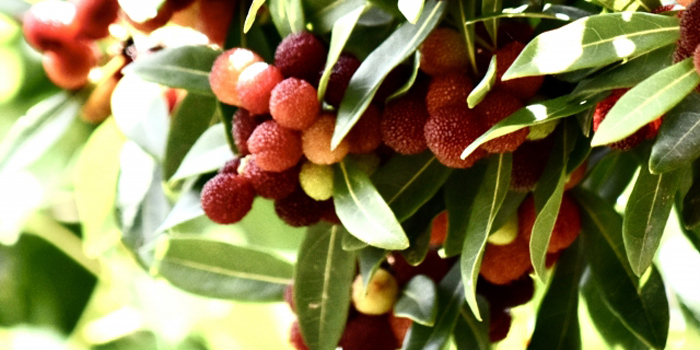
(482, 89)
(322, 282)
(557, 318)
(548, 195)
(533, 114)
(363, 211)
(189, 122)
(205, 267)
(411, 9)
(676, 143)
(341, 33)
(411, 80)
(369, 76)
(288, 16)
(594, 41)
(185, 67)
(509, 207)
(418, 301)
(209, 153)
(450, 298)
(460, 192)
(691, 206)
(461, 11)
(647, 102)
(627, 74)
(640, 305)
(611, 175)
(488, 200)
(324, 19)
(369, 259)
(491, 7)
(419, 228)
(469, 333)
(187, 207)
(252, 13)
(15, 8)
(408, 182)
(350, 242)
(646, 213)
(548, 11)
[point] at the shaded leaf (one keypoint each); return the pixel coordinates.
(187, 207)
(488, 200)
(322, 281)
(209, 153)
(418, 301)
(411, 9)
(408, 182)
(594, 41)
(611, 175)
(548, 11)
(460, 191)
(533, 114)
(646, 102)
(252, 276)
(482, 89)
(470, 333)
(185, 67)
(369, 259)
(557, 324)
(691, 206)
(461, 11)
(324, 19)
(369, 76)
(646, 213)
(509, 207)
(678, 140)
(419, 227)
(490, 7)
(15, 8)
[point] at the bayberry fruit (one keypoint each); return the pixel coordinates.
(294, 104)
(274, 147)
(227, 198)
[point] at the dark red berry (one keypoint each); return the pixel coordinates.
(227, 198)
(272, 185)
(298, 209)
(301, 55)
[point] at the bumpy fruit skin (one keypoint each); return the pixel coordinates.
(522, 88)
(69, 66)
(566, 228)
(47, 25)
(365, 332)
(505, 263)
(645, 132)
(243, 126)
(339, 79)
(690, 28)
(448, 90)
(509, 295)
(328, 213)
(93, 17)
(444, 52)
(495, 107)
(438, 230)
(316, 180)
(275, 148)
(366, 135)
(298, 209)
(227, 198)
(225, 73)
(316, 142)
(231, 167)
(294, 104)
(499, 326)
(402, 124)
(301, 55)
(449, 131)
(255, 86)
(271, 185)
(696, 59)
(380, 296)
(505, 234)
(529, 161)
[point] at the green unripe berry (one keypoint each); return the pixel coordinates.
(507, 233)
(380, 295)
(317, 180)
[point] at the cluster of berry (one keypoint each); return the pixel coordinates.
(66, 32)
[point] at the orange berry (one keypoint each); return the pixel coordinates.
(255, 84)
(275, 148)
(316, 142)
(444, 51)
(503, 264)
(225, 73)
(294, 104)
(448, 90)
(438, 230)
(566, 228)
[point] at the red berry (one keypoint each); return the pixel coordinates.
(529, 161)
(274, 147)
(69, 66)
(231, 167)
(438, 231)
(690, 28)
(509, 295)
(499, 326)
(227, 198)
(601, 111)
(298, 209)
(364, 332)
(365, 136)
(566, 228)
(214, 17)
(495, 107)
(47, 25)
(294, 104)
(522, 88)
(402, 124)
(448, 90)
(448, 133)
(444, 52)
(272, 185)
(165, 12)
(503, 264)
(225, 73)
(255, 86)
(301, 55)
(243, 126)
(179, 5)
(316, 142)
(339, 79)
(93, 17)
(400, 326)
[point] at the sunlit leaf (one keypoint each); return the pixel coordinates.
(252, 13)
(460, 191)
(488, 200)
(411, 9)
(611, 175)
(470, 333)
(484, 86)
(287, 15)
(209, 153)
(646, 102)
(594, 41)
(490, 7)
(418, 301)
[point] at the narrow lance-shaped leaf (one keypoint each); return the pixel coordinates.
(647, 101)
(548, 196)
(548, 11)
(470, 333)
(363, 211)
(678, 141)
(646, 213)
(641, 306)
(370, 258)
(490, 7)
(690, 205)
(288, 16)
(419, 227)
(463, 10)
(369, 76)
(611, 175)
(557, 325)
(208, 153)
(322, 281)
(594, 41)
(460, 191)
(341, 33)
(252, 13)
(408, 182)
(253, 275)
(411, 9)
(627, 74)
(484, 86)
(324, 19)
(486, 204)
(450, 299)
(418, 301)
(184, 67)
(533, 114)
